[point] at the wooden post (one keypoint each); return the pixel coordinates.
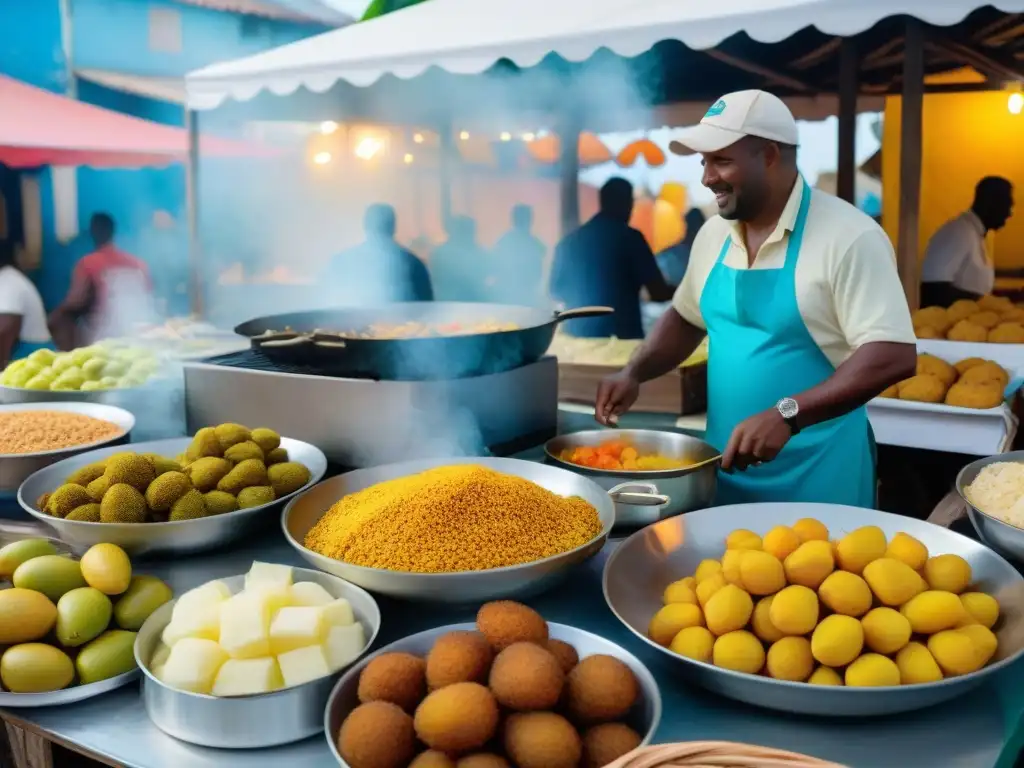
(846, 167)
(911, 129)
(195, 259)
(569, 169)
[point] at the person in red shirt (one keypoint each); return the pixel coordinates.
(102, 282)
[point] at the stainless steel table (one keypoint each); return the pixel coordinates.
(970, 732)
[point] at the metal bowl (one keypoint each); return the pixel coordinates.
(180, 537)
(640, 568)
(303, 512)
(245, 722)
(644, 717)
(688, 488)
(15, 467)
(1004, 538)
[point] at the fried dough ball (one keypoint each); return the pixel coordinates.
(457, 719)
(992, 303)
(965, 330)
(565, 653)
(377, 735)
(986, 319)
(432, 759)
(482, 760)
(542, 740)
(971, 362)
(600, 689)
(980, 396)
(961, 310)
(932, 317)
(458, 657)
(922, 389)
(927, 332)
(1007, 333)
(526, 677)
(504, 622)
(1012, 315)
(986, 373)
(399, 678)
(934, 366)
(604, 744)
(892, 392)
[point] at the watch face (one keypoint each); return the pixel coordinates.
(788, 408)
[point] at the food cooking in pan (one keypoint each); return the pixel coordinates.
(412, 330)
(619, 454)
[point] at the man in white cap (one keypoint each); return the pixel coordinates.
(799, 295)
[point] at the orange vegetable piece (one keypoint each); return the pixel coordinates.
(629, 454)
(612, 448)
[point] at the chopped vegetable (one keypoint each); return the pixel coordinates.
(619, 455)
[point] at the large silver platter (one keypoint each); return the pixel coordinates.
(246, 722)
(643, 719)
(303, 512)
(181, 537)
(1002, 537)
(640, 568)
(15, 467)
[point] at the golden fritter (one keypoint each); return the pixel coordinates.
(981, 396)
(922, 389)
(526, 677)
(961, 310)
(987, 320)
(458, 657)
(432, 759)
(1007, 333)
(565, 653)
(892, 392)
(933, 366)
(542, 740)
(932, 317)
(927, 332)
(377, 735)
(600, 689)
(986, 373)
(965, 365)
(399, 678)
(994, 303)
(604, 744)
(965, 330)
(504, 622)
(457, 719)
(1012, 315)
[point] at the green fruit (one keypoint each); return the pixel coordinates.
(35, 668)
(53, 575)
(24, 616)
(144, 595)
(19, 552)
(109, 655)
(82, 614)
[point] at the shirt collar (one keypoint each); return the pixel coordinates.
(787, 221)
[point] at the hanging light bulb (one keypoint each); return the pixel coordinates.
(1015, 103)
(464, 135)
(327, 127)
(408, 158)
(418, 138)
(322, 158)
(506, 136)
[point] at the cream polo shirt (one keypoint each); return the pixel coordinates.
(956, 254)
(847, 287)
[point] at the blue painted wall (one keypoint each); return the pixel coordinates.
(30, 44)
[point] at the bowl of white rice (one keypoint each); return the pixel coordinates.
(993, 489)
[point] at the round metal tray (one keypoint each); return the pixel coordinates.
(15, 467)
(644, 717)
(246, 722)
(638, 571)
(180, 537)
(1006, 539)
(303, 512)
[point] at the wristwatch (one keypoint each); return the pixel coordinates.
(788, 408)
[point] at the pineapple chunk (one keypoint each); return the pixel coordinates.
(275, 598)
(244, 626)
(310, 593)
(338, 613)
(343, 645)
(160, 656)
(204, 624)
(296, 627)
(302, 665)
(193, 665)
(268, 574)
(241, 677)
(197, 599)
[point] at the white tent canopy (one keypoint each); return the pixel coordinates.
(470, 36)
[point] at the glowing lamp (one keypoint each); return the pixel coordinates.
(322, 158)
(1015, 103)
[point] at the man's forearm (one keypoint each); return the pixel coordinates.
(672, 340)
(869, 371)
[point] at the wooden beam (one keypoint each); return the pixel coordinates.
(771, 75)
(997, 31)
(882, 55)
(846, 173)
(911, 131)
(819, 54)
(987, 62)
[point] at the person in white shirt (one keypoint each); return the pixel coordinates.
(798, 294)
(23, 327)
(956, 265)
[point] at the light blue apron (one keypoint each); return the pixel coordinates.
(25, 348)
(760, 352)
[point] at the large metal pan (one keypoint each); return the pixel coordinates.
(303, 512)
(311, 339)
(640, 568)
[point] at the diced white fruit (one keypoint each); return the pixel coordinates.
(193, 665)
(241, 677)
(310, 593)
(197, 599)
(338, 613)
(160, 656)
(157, 671)
(244, 627)
(203, 624)
(275, 598)
(302, 665)
(343, 645)
(268, 574)
(296, 627)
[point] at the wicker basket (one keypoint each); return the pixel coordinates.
(716, 754)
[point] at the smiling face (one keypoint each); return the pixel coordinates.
(741, 176)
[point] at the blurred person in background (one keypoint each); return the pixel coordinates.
(22, 316)
(608, 263)
(378, 270)
(103, 283)
(461, 269)
(519, 261)
(956, 264)
(673, 260)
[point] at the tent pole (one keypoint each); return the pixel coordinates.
(192, 213)
(569, 169)
(911, 130)
(846, 168)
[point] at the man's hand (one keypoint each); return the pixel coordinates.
(615, 395)
(756, 440)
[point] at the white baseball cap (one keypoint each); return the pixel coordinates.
(735, 115)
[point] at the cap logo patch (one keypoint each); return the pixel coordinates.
(716, 109)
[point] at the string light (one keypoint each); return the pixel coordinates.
(328, 127)
(368, 148)
(464, 135)
(506, 136)
(1015, 103)
(529, 137)
(418, 138)
(322, 158)
(408, 158)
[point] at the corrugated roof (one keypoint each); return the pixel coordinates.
(281, 10)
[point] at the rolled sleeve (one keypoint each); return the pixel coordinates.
(703, 254)
(869, 300)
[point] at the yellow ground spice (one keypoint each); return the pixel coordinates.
(35, 431)
(463, 517)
